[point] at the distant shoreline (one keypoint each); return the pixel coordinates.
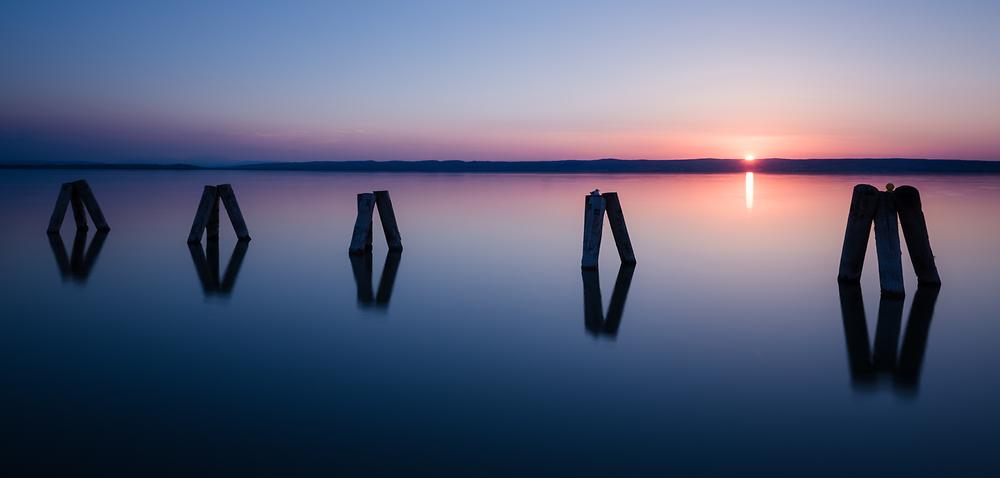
(609, 166)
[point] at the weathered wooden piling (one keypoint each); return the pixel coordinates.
(207, 215)
(887, 246)
(888, 210)
(914, 225)
(87, 196)
(617, 220)
(80, 197)
(595, 206)
(388, 218)
(593, 227)
(864, 203)
(361, 240)
(228, 197)
(209, 201)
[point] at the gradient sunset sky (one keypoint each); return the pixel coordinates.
(511, 80)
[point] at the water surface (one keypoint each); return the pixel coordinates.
(482, 348)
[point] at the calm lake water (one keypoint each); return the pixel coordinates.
(728, 350)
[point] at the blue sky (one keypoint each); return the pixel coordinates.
(498, 80)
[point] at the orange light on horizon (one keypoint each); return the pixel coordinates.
(748, 157)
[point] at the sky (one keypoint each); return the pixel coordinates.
(481, 80)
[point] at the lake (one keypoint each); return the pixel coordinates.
(729, 349)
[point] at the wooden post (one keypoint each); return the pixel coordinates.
(87, 196)
(212, 227)
(208, 200)
(361, 241)
(79, 213)
(890, 256)
(864, 202)
(593, 227)
(59, 212)
(911, 218)
(388, 218)
(617, 220)
(233, 209)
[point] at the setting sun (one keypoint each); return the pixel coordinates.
(748, 157)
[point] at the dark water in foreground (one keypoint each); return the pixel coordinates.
(734, 352)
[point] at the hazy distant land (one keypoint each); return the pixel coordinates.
(707, 165)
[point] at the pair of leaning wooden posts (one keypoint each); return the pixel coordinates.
(884, 209)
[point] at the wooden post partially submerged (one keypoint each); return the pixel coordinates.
(911, 218)
(887, 246)
(593, 227)
(887, 210)
(361, 239)
(864, 202)
(617, 220)
(595, 205)
(81, 197)
(207, 215)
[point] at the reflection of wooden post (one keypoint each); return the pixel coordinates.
(388, 218)
(361, 241)
(594, 319)
(911, 352)
(864, 203)
(388, 279)
(617, 220)
(852, 309)
(890, 256)
(911, 218)
(593, 307)
(593, 227)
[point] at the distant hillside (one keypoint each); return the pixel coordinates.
(812, 166)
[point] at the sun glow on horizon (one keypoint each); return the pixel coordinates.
(748, 157)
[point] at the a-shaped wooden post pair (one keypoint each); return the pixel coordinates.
(869, 205)
(207, 216)
(79, 195)
(593, 226)
(361, 241)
